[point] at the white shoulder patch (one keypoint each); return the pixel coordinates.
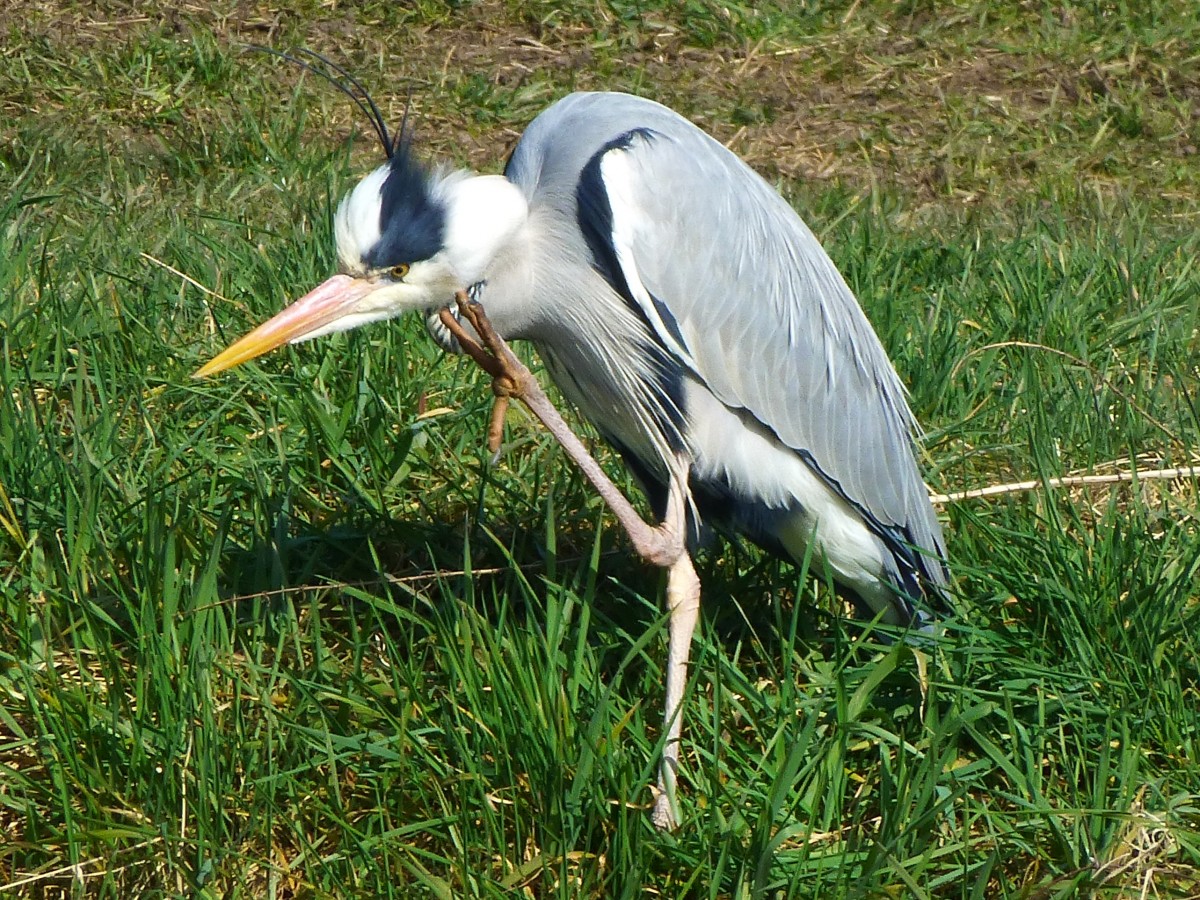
(621, 184)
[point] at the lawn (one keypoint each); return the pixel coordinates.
(290, 633)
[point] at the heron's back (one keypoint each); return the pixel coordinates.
(743, 305)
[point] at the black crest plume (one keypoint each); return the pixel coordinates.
(411, 222)
(340, 78)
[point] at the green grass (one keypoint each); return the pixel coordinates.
(286, 633)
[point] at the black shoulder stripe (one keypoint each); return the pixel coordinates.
(595, 217)
(669, 321)
(411, 224)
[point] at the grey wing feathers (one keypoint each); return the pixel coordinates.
(766, 319)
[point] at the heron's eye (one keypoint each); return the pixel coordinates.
(399, 272)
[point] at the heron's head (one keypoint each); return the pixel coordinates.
(407, 240)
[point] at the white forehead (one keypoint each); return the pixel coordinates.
(356, 224)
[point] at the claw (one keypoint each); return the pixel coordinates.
(496, 425)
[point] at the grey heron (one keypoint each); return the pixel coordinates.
(686, 310)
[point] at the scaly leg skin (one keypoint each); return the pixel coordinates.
(683, 603)
(662, 546)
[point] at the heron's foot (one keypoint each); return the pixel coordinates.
(496, 424)
(510, 377)
(664, 814)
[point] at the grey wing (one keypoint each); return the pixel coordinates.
(739, 289)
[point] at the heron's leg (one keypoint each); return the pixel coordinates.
(661, 546)
(683, 603)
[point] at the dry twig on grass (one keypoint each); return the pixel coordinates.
(1015, 487)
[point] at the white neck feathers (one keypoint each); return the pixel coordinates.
(484, 214)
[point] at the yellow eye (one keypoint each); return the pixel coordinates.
(399, 272)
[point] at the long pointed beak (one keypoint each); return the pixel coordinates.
(324, 304)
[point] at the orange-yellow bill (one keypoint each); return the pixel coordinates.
(316, 309)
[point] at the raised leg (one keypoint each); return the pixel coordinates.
(660, 546)
(683, 603)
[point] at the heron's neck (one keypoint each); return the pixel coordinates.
(485, 216)
(486, 242)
